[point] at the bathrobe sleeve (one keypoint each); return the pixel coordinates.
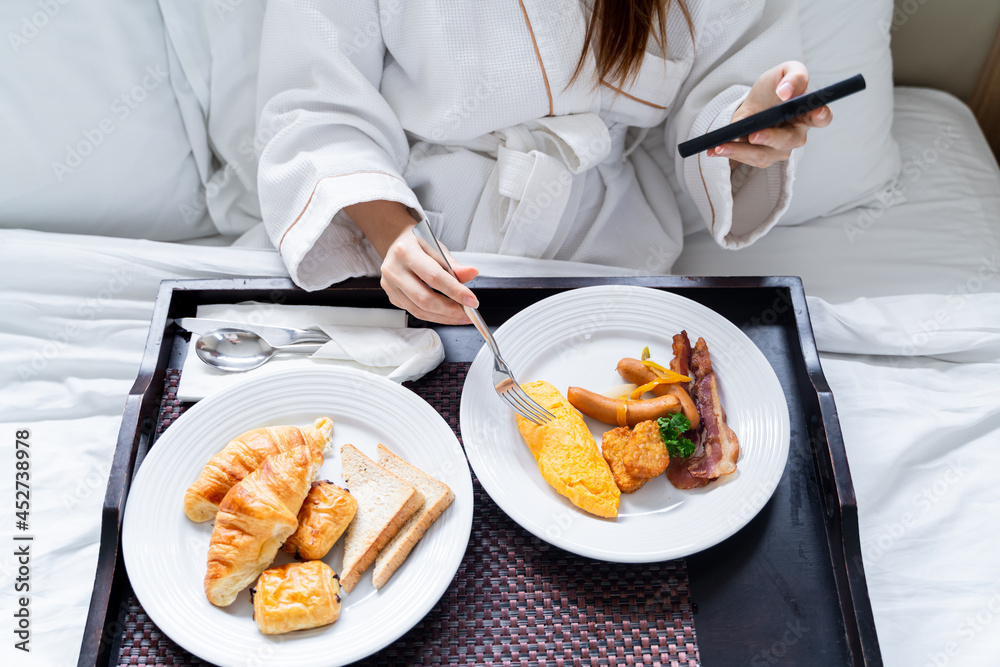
(735, 42)
(329, 137)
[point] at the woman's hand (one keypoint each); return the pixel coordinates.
(410, 275)
(764, 148)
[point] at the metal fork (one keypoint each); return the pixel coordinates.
(503, 379)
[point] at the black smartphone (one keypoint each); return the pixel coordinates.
(780, 113)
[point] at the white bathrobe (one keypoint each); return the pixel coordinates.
(464, 111)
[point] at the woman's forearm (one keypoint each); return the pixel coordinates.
(381, 221)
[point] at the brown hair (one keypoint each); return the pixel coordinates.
(619, 31)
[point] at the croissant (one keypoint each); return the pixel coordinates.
(254, 519)
(295, 597)
(242, 456)
(325, 515)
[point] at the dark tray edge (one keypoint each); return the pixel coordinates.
(138, 421)
(139, 416)
(842, 510)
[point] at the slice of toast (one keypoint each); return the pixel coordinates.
(385, 504)
(437, 497)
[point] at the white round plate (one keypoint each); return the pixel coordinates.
(576, 339)
(165, 553)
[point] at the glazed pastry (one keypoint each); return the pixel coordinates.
(254, 520)
(296, 596)
(242, 456)
(325, 515)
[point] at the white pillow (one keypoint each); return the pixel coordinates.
(218, 47)
(93, 139)
(855, 160)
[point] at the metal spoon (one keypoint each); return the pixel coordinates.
(238, 350)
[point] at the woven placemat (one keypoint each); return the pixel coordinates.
(515, 599)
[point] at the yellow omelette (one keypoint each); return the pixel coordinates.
(567, 453)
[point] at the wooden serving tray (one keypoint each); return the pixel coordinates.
(789, 588)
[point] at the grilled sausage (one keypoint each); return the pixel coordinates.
(633, 370)
(609, 410)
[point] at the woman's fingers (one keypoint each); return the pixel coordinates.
(429, 271)
(416, 288)
(411, 294)
(463, 272)
(794, 80)
(408, 252)
(781, 138)
(755, 156)
(788, 137)
(765, 147)
(816, 118)
(410, 272)
(400, 300)
(410, 277)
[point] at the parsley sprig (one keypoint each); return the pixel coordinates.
(671, 429)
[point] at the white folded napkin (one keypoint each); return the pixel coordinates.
(374, 339)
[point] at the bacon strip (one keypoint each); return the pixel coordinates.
(721, 447)
(678, 473)
(682, 353)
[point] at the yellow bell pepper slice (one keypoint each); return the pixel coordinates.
(664, 376)
(665, 372)
(642, 389)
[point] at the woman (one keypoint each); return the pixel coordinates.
(523, 127)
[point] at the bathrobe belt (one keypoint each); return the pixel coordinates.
(531, 197)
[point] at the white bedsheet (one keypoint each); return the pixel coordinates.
(915, 379)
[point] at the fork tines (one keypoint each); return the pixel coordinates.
(525, 406)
